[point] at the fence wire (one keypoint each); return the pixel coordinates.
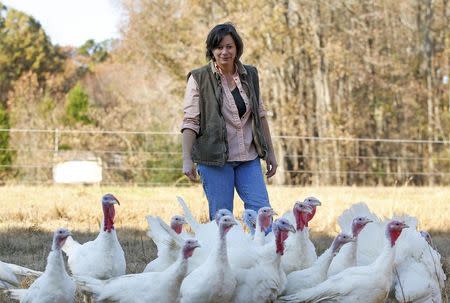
(152, 158)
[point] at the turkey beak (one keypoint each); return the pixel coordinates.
(314, 202)
(308, 209)
(405, 225)
(273, 213)
(183, 221)
(292, 229)
(115, 201)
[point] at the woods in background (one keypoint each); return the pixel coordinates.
(328, 69)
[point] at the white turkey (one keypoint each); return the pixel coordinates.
(263, 223)
(249, 218)
(240, 247)
(214, 280)
(313, 202)
(347, 256)
(300, 251)
(54, 285)
(369, 284)
(317, 273)
(264, 281)
(102, 258)
(419, 276)
(205, 233)
(167, 241)
(176, 223)
(160, 287)
(11, 274)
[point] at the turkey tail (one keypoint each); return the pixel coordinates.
(16, 294)
(163, 233)
(357, 210)
(23, 271)
(188, 215)
(6, 285)
(89, 284)
(7, 277)
(308, 296)
(70, 246)
(371, 239)
(155, 232)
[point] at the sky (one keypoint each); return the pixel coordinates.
(72, 22)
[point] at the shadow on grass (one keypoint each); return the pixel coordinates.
(29, 247)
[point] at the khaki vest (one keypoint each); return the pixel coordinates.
(211, 146)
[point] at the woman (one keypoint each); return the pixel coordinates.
(224, 128)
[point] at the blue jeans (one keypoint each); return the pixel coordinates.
(219, 183)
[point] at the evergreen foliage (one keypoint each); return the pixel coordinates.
(5, 153)
(24, 46)
(77, 106)
(97, 52)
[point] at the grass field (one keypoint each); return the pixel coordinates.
(29, 215)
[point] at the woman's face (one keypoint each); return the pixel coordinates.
(225, 53)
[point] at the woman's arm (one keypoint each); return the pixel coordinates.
(190, 127)
(188, 165)
(271, 160)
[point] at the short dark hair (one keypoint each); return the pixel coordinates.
(217, 34)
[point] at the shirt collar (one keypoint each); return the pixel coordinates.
(240, 69)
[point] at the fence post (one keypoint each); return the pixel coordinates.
(56, 135)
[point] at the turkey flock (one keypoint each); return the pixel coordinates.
(258, 259)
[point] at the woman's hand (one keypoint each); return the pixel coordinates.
(189, 169)
(272, 165)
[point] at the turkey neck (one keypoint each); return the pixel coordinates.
(353, 251)
(385, 261)
(323, 262)
(220, 250)
(108, 217)
(178, 271)
(302, 236)
(55, 264)
(280, 237)
(109, 237)
(259, 231)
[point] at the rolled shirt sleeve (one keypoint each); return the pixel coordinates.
(191, 117)
(262, 109)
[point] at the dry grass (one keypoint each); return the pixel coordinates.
(28, 215)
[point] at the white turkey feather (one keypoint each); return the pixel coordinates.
(167, 242)
(54, 285)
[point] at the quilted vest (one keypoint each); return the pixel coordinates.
(211, 146)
